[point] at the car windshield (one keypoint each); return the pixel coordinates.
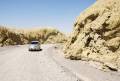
(34, 42)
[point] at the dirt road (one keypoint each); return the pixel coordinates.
(18, 64)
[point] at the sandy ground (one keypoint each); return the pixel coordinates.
(18, 64)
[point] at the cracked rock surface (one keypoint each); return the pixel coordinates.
(96, 34)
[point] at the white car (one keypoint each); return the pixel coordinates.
(34, 46)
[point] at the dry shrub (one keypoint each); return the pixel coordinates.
(8, 37)
(15, 37)
(46, 36)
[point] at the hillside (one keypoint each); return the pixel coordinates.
(96, 35)
(10, 36)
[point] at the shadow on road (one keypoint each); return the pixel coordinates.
(35, 50)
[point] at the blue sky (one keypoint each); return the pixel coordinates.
(59, 14)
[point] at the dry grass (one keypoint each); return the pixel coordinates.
(8, 37)
(14, 37)
(45, 35)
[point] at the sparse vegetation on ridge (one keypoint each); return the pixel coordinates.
(19, 37)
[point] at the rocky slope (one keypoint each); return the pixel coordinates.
(10, 36)
(96, 34)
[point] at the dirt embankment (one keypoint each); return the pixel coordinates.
(10, 36)
(96, 34)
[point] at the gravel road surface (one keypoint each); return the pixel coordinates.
(18, 64)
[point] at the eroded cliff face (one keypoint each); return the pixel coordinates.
(96, 34)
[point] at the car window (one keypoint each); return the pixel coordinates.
(34, 42)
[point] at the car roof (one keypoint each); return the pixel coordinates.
(34, 41)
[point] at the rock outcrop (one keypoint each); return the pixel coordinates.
(96, 34)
